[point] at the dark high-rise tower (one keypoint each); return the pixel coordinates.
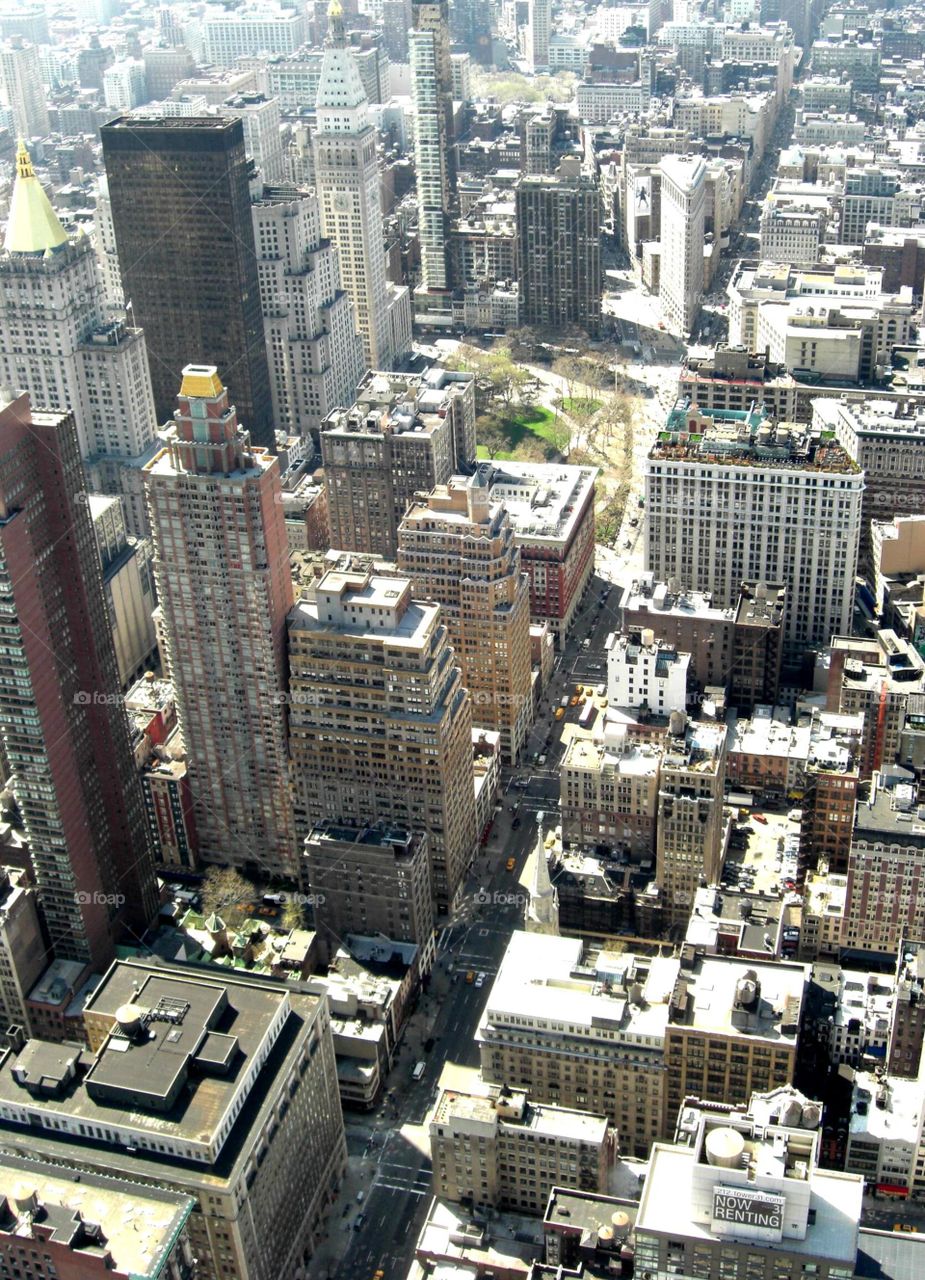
(182, 219)
(62, 722)
(559, 250)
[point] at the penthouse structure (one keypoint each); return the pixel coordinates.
(551, 509)
(689, 826)
(370, 881)
(380, 723)
(731, 498)
(741, 1190)
(581, 1032)
(224, 1091)
(458, 547)
(491, 1147)
(404, 434)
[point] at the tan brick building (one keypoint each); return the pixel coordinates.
(458, 548)
(492, 1147)
(732, 1029)
(581, 1032)
(380, 723)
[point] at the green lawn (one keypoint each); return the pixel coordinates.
(484, 454)
(529, 420)
(583, 406)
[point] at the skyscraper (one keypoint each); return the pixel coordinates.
(559, 250)
(182, 219)
(432, 93)
(684, 195)
(381, 724)
(347, 182)
(59, 342)
(536, 34)
(222, 571)
(458, 548)
(22, 87)
(315, 354)
(62, 723)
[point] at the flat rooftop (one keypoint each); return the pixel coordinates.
(647, 594)
(138, 1223)
(668, 1207)
(172, 1077)
(710, 998)
(588, 1214)
(768, 732)
(542, 979)
(543, 500)
(892, 811)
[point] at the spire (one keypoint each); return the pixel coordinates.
(341, 102)
(543, 907)
(33, 225)
(337, 36)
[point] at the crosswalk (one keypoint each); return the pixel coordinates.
(398, 1177)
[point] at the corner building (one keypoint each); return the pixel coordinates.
(222, 1088)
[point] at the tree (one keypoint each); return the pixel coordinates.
(227, 893)
(562, 434)
(293, 915)
(491, 435)
(510, 86)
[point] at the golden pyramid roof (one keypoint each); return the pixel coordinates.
(201, 380)
(33, 225)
